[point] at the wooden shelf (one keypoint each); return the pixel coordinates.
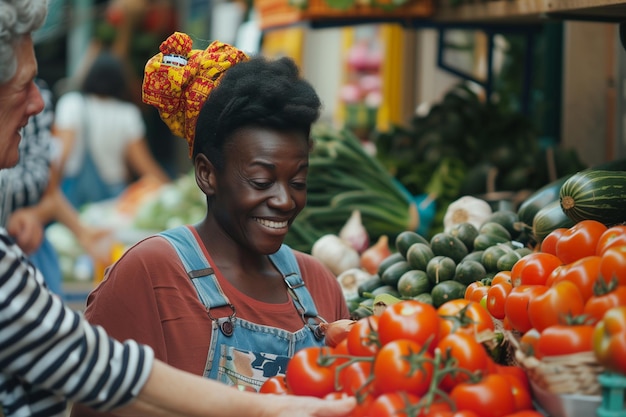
(531, 11)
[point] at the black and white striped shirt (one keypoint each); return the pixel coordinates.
(50, 353)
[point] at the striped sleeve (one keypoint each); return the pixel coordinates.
(50, 348)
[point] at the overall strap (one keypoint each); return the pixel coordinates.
(286, 262)
(197, 266)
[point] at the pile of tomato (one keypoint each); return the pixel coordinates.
(558, 297)
(413, 360)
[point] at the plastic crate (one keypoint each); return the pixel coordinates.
(613, 387)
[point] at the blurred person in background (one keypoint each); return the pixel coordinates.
(50, 353)
(102, 136)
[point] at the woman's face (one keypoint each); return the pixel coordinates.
(19, 100)
(262, 187)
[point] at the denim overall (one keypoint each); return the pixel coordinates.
(243, 353)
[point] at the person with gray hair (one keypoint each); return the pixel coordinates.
(50, 354)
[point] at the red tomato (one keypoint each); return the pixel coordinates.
(612, 237)
(393, 404)
(468, 355)
(521, 392)
(613, 265)
(528, 343)
(516, 371)
(275, 385)
(564, 339)
(465, 316)
(501, 276)
(401, 366)
(362, 339)
(356, 378)
(583, 272)
(437, 409)
(516, 305)
(609, 340)
(311, 371)
(548, 244)
(534, 269)
(526, 413)
(409, 319)
(599, 304)
(450, 413)
(496, 297)
(555, 304)
(363, 406)
(579, 240)
(491, 397)
(476, 291)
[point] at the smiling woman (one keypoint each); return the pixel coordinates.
(247, 121)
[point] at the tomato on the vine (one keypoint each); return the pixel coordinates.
(613, 265)
(555, 304)
(583, 272)
(362, 338)
(490, 397)
(516, 305)
(393, 404)
(464, 353)
(409, 319)
(579, 240)
(564, 339)
(612, 237)
(402, 365)
(496, 297)
(311, 371)
(276, 384)
(609, 340)
(356, 378)
(548, 244)
(603, 300)
(534, 269)
(464, 316)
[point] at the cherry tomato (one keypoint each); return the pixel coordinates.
(356, 378)
(476, 291)
(534, 269)
(613, 265)
(548, 244)
(516, 305)
(400, 365)
(491, 397)
(393, 404)
(579, 240)
(609, 340)
(276, 384)
(501, 276)
(583, 272)
(409, 319)
(468, 354)
(528, 343)
(496, 297)
(465, 316)
(562, 339)
(612, 237)
(599, 304)
(362, 339)
(311, 371)
(555, 304)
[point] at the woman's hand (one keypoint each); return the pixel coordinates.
(27, 229)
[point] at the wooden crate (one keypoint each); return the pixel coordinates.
(277, 13)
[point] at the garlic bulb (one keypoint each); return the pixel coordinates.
(466, 209)
(350, 279)
(335, 253)
(354, 232)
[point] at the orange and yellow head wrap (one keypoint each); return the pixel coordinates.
(178, 80)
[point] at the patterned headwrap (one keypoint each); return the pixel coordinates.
(178, 80)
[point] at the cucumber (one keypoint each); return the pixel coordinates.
(494, 229)
(469, 271)
(595, 195)
(425, 297)
(392, 275)
(413, 283)
(445, 244)
(419, 255)
(492, 255)
(476, 255)
(369, 285)
(508, 219)
(405, 239)
(487, 240)
(506, 261)
(549, 218)
(466, 233)
(440, 268)
(446, 291)
(388, 261)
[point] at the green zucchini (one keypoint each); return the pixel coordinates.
(549, 218)
(595, 195)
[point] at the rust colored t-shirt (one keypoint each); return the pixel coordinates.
(148, 297)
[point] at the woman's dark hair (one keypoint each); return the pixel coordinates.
(106, 77)
(259, 92)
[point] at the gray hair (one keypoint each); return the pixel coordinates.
(18, 18)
